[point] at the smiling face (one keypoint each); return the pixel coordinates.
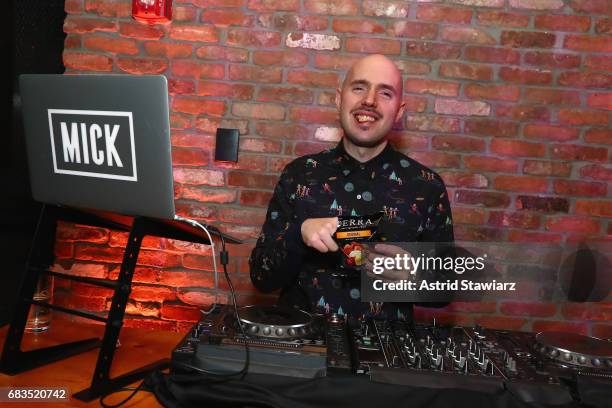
(370, 101)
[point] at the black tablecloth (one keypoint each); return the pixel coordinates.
(257, 390)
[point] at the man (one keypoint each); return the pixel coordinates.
(363, 175)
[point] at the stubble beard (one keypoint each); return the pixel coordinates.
(370, 143)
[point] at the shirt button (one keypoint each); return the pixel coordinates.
(359, 196)
(361, 166)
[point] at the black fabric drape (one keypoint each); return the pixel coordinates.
(339, 391)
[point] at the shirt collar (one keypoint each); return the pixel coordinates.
(344, 160)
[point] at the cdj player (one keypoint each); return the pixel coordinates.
(552, 368)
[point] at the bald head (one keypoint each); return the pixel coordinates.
(380, 63)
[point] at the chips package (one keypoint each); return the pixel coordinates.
(352, 233)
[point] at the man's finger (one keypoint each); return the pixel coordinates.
(388, 250)
(329, 242)
(331, 227)
(316, 243)
(394, 275)
(372, 255)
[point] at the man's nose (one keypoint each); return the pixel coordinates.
(370, 98)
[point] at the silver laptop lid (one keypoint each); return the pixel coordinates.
(100, 142)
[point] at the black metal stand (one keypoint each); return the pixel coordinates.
(14, 361)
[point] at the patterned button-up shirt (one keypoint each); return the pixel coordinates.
(413, 201)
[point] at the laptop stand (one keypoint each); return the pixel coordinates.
(14, 361)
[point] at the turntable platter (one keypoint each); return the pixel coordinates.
(572, 348)
(276, 322)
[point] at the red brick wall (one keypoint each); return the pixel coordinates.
(508, 99)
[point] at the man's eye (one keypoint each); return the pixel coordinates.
(387, 94)
(358, 88)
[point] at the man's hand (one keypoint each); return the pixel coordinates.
(387, 251)
(318, 233)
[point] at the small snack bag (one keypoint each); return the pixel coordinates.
(352, 233)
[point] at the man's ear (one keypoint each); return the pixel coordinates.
(338, 97)
(401, 111)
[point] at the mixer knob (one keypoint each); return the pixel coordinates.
(279, 332)
(596, 362)
(554, 353)
(291, 332)
(253, 329)
(267, 331)
(567, 356)
(582, 360)
(609, 363)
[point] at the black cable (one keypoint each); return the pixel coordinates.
(129, 397)
(224, 260)
(216, 375)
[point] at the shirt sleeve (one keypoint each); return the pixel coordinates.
(278, 253)
(439, 225)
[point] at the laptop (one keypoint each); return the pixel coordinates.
(100, 142)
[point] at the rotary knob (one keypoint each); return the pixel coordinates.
(582, 360)
(596, 362)
(291, 332)
(279, 332)
(253, 329)
(567, 356)
(267, 331)
(554, 353)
